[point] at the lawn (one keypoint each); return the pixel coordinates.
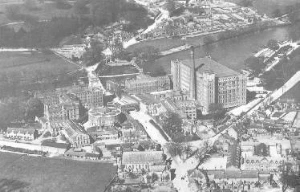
(28, 63)
(25, 173)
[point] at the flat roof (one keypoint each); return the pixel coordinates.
(206, 64)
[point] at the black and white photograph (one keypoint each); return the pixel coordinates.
(149, 95)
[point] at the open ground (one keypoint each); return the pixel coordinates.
(25, 173)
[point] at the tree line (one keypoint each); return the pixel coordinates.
(41, 34)
(49, 34)
(20, 109)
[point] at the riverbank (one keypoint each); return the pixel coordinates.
(169, 46)
(279, 57)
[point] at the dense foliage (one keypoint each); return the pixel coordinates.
(273, 44)
(20, 109)
(42, 34)
(109, 11)
(50, 33)
(255, 64)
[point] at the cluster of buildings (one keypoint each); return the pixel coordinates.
(246, 165)
(204, 16)
(62, 105)
(74, 51)
(147, 84)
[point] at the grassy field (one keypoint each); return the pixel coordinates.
(39, 174)
(28, 62)
(45, 11)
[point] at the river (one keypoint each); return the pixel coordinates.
(233, 52)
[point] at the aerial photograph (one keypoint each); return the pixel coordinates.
(149, 95)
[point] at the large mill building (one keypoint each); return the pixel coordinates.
(209, 82)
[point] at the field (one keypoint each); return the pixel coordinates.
(29, 62)
(45, 11)
(24, 173)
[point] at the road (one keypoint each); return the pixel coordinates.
(181, 181)
(144, 119)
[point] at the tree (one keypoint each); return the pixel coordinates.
(276, 13)
(80, 7)
(158, 147)
(294, 16)
(128, 189)
(170, 6)
(273, 44)
(154, 177)
(63, 4)
(140, 148)
(217, 110)
(94, 53)
(170, 29)
(289, 178)
(175, 149)
(31, 5)
(254, 63)
(172, 123)
(12, 12)
(34, 107)
(103, 12)
(246, 3)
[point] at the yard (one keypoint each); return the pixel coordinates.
(25, 173)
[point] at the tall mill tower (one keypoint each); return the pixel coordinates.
(193, 90)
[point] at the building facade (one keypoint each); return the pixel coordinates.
(66, 107)
(149, 161)
(147, 84)
(263, 157)
(75, 134)
(89, 97)
(26, 134)
(209, 82)
(104, 116)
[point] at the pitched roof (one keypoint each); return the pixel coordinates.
(234, 156)
(21, 130)
(206, 64)
(73, 129)
(245, 174)
(141, 157)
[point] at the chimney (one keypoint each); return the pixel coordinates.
(193, 76)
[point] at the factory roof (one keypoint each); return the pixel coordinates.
(208, 65)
